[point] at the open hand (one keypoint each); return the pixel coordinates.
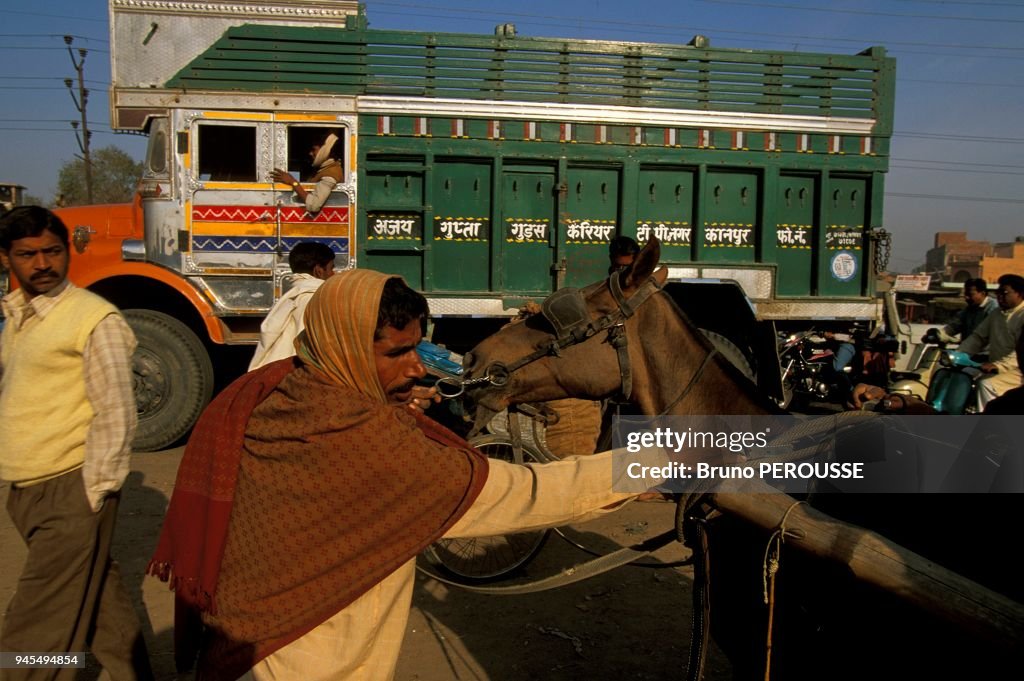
(282, 177)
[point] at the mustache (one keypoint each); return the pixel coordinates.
(404, 388)
(48, 274)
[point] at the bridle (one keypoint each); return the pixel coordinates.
(566, 311)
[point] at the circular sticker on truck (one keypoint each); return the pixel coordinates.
(844, 266)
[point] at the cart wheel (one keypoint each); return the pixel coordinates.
(485, 559)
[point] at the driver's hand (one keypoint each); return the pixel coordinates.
(865, 392)
(423, 397)
(282, 177)
(989, 368)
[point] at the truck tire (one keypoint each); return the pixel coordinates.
(731, 352)
(173, 378)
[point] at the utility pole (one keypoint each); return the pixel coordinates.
(81, 103)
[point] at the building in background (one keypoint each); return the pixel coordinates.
(1006, 258)
(955, 258)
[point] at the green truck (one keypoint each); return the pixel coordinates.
(488, 170)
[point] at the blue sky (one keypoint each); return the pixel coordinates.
(957, 156)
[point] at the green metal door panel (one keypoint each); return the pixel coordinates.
(730, 217)
(527, 220)
(845, 212)
(795, 234)
(589, 223)
(406, 264)
(665, 210)
(393, 237)
(461, 230)
(395, 189)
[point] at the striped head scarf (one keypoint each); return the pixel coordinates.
(339, 324)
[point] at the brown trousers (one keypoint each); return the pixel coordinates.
(577, 430)
(70, 597)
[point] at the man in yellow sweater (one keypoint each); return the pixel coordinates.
(67, 417)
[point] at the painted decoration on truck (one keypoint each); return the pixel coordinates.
(394, 226)
(237, 228)
(844, 237)
(589, 231)
(527, 230)
(461, 228)
(220, 244)
(669, 233)
(843, 266)
(794, 236)
(236, 214)
(728, 235)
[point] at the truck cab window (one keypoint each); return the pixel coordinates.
(226, 153)
(302, 139)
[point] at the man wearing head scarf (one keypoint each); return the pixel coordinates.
(309, 487)
(328, 174)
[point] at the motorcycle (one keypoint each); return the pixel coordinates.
(808, 362)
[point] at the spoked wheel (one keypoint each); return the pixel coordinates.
(485, 559)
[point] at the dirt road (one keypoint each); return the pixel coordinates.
(632, 623)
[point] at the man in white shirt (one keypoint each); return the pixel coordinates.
(1000, 331)
(312, 263)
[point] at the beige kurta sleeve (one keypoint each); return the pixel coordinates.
(517, 498)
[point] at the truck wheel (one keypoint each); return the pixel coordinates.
(731, 352)
(173, 378)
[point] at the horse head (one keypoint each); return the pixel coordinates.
(619, 337)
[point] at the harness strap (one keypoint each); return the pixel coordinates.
(617, 334)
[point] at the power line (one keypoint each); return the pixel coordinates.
(955, 170)
(55, 16)
(960, 82)
(30, 47)
(946, 197)
(663, 29)
(804, 8)
(961, 163)
(68, 129)
(960, 138)
(51, 35)
(60, 78)
(965, 4)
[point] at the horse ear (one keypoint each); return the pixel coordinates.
(644, 264)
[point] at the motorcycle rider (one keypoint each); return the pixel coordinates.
(865, 396)
(979, 306)
(1000, 332)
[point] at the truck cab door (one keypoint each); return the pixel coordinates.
(231, 205)
(294, 136)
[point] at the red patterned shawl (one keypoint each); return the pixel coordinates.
(333, 492)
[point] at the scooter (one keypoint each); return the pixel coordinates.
(922, 366)
(953, 388)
